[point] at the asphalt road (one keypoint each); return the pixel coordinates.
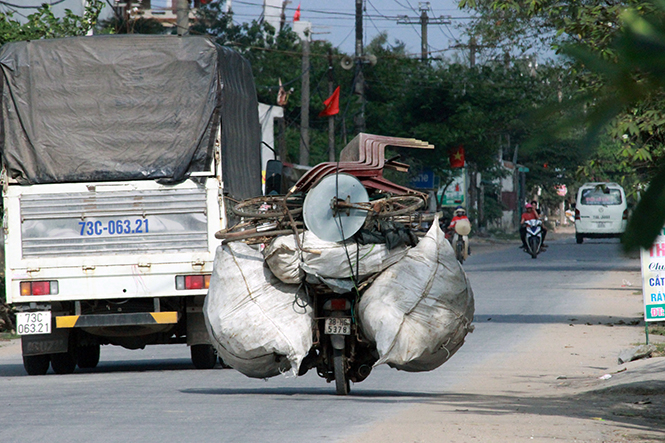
(155, 395)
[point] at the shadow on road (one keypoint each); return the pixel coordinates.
(17, 370)
(589, 320)
(637, 408)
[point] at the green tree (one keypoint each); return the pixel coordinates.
(44, 24)
(617, 59)
(276, 56)
(120, 25)
(479, 108)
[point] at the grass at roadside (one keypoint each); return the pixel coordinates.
(6, 336)
(657, 329)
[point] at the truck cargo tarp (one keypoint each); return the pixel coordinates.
(130, 107)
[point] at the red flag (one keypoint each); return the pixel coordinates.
(296, 16)
(331, 105)
(456, 156)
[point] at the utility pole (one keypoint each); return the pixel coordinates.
(423, 20)
(359, 87)
(331, 118)
(304, 102)
(182, 17)
(473, 48)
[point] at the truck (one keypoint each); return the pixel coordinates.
(118, 153)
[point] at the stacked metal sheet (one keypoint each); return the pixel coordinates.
(364, 158)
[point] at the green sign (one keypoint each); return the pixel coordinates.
(455, 193)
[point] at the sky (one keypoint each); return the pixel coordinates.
(335, 21)
(332, 20)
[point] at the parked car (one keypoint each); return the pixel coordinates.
(600, 211)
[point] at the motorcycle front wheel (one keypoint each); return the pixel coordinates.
(459, 251)
(534, 246)
(342, 384)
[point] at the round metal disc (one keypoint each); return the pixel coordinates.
(318, 213)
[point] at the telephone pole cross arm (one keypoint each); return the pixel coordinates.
(423, 20)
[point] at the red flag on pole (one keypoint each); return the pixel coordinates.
(296, 16)
(331, 105)
(456, 157)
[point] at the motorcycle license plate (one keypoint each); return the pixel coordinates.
(336, 325)
(28, 323)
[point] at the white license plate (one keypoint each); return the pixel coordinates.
(600, 224)
(336, 325)
(28, 323)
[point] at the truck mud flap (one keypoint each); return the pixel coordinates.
(128, 319)
(197, 333)
(53, 343)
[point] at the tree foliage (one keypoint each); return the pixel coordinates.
(277, 56)
(446, 104)
(44, 24)
(481, 108)
(617, 52)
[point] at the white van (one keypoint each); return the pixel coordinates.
(600, 211)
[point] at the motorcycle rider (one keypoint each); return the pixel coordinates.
(530, 214)
(534, 203)
(459, 214)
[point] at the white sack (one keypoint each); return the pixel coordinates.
(419, 310)
(327, 259)
(259, 325)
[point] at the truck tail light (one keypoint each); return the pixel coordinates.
(39, 287)
(198, 281)
(577, 214)
(625, 214)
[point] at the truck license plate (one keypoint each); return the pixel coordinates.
(336, 325)
(600, 224)
(28, 323)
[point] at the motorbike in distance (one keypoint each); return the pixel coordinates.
(534, 237)
(460, 239)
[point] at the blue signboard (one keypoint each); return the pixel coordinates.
(424, 180)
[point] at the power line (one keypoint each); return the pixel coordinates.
(338, 15)
(30, 7)
(423, 20)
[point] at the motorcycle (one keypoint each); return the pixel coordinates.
(340, 352)
(534, 237)
(460, 240)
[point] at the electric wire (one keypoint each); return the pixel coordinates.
(372, 20)
(405, 7)
(5, 3)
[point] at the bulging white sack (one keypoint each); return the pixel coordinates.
(259, 325)
(327, 259)
(419, 310)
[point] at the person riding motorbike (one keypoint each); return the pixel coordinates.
(534, 203)
(459, 214)
(530, 214)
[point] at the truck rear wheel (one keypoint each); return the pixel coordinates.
(36, 364)
(63, 363)
(203, 356)
(88, 356)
